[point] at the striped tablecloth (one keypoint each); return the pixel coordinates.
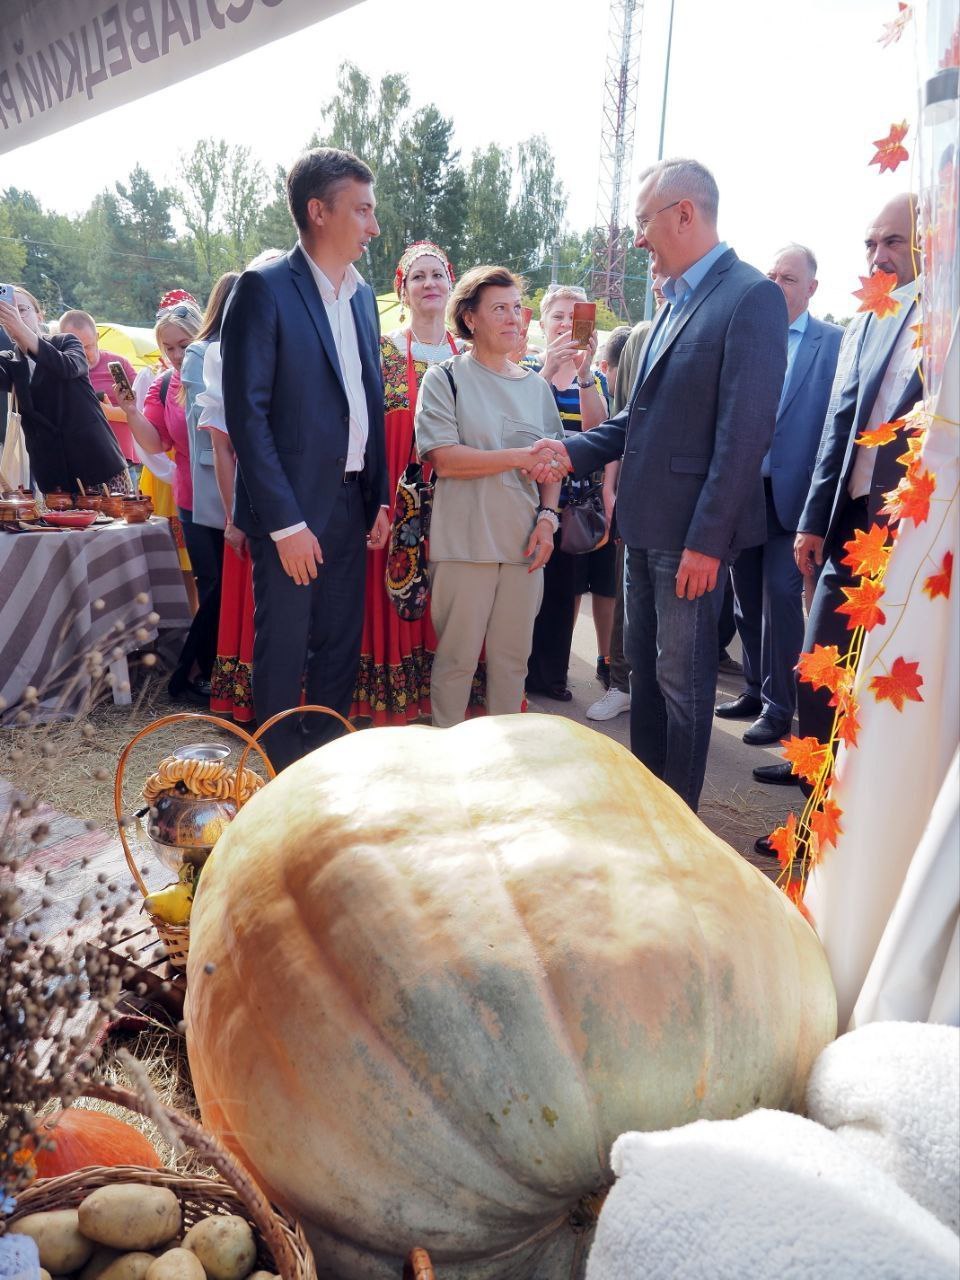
(51, 615)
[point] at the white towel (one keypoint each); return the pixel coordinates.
(891, 1091)
(770, 1195)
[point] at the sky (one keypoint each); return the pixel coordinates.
(781, 101)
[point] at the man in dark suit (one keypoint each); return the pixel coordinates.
(768, 584)
(692, 437)
(303, 404)
(849, 481)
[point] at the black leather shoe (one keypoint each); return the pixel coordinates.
(764, 731)
(558, 692)
(778, 775)
(764, 847)
(746, 707)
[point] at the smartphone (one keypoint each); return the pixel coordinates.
(584, 322)
(120, 379)
(8, 295)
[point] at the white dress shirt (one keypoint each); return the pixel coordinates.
(344, 329)
(903, 361)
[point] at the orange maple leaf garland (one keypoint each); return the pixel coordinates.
(807, 757)
(938, 584)
(868, 553)
(900, 686)
(783, 841)
(875, 294)
(890, 150)
(883, 433)
(825, 823)
(910, 500)
(862, 607)
(821, 668)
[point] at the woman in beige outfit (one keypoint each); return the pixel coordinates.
(492, 527)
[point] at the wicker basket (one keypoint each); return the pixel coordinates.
(176, 937)
(281, 1244)
(199, 1198)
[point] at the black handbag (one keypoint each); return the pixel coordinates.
(582, 522)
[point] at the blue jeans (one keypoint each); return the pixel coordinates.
(671, 646)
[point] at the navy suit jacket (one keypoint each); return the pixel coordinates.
(828, 488)
(285, 403)
(699, 420)
(803, 409)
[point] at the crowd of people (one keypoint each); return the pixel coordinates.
(721, 435)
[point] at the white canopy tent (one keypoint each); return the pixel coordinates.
(63, 61)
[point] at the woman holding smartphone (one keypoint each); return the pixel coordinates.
(160, 427)
(67, 437)
(566, 367)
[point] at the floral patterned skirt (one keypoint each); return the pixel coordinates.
(232, 691)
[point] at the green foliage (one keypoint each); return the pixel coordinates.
(118, 257)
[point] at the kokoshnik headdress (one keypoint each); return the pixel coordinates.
(420, 249)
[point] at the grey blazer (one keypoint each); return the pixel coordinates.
(827, 495)
(699, 420)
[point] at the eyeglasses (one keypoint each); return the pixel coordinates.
(175, 313)
(643, 223)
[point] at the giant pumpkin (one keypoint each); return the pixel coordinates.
(434, 974)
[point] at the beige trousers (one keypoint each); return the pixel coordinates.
(473, 604)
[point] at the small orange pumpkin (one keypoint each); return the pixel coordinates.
(80, 1137)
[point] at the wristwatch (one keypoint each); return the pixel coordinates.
(585, 385)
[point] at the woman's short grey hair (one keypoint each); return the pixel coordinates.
(556, 292)
(686, 180)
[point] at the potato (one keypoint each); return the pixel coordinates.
(225, 1245)
(44, 1275)
(263, 1275)
(60, 1243)
(130, 1215)
(176, 1264)
(99, 1260)
(129, 1266)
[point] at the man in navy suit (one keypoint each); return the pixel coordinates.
(849, 481)
(768, 584)
(303, 403)
(692, 436)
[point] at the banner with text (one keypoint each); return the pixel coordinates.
(62, 61)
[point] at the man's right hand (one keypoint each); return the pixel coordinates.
(808, 553)
(300, 554)
(549, 461)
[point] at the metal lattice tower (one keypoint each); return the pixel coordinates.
(616, 150)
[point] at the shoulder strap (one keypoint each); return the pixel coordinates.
(165, 386)
(447, 367)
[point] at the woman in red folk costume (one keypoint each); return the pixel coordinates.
(393, 682)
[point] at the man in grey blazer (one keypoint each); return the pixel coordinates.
(692, 437)
(849, 481)
(768, 584)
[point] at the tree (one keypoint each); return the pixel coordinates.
(275, 228)
(487, 210)
(200, 200)
(539, 205)
(131, 257)
(13, 252)
(42, 254)
(245, 188)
